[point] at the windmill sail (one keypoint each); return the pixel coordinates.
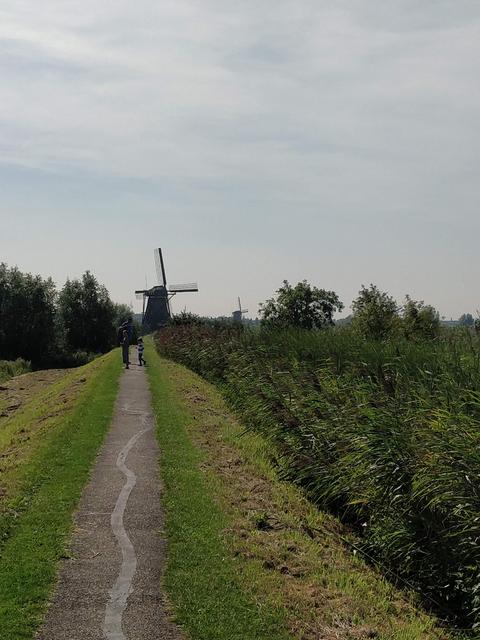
(182, 288)
(160, 267)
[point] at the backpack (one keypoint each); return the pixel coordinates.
(120, 333)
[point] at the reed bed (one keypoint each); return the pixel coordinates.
(384, 434)
(11, 368)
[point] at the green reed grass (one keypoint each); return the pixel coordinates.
(11, 368)
(385, 435)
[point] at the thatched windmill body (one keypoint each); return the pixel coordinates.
(157, 298)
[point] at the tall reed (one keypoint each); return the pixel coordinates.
(386, 435)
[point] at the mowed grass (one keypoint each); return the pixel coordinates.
(201, 579)
(43, 484)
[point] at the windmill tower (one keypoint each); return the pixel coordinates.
(157, 298)
(237, 315)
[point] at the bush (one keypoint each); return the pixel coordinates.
(69, 359)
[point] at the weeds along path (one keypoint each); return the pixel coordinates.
(248, 556)
(109, 587)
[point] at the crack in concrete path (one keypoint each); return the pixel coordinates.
(112, 626)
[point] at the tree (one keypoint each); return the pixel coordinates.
(375, 313)
(302, 306)
(466, 319)
(87, 315)
(420, 321)
(27, 315)
(122, 313)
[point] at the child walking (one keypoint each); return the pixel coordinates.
(140, 348)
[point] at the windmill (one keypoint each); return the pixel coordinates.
(158, 297)
(237, 315)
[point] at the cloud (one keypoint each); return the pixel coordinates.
(205, 85)
(286, 113)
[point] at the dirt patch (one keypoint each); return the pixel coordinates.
(18, 391)
(294, 552)
(31, 405)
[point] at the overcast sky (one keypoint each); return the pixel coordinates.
(254, 141)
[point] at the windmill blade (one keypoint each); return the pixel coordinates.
(139, 295)
(160, 267)
(183, 288)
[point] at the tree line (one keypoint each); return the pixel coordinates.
(55, 328)
(375, 314)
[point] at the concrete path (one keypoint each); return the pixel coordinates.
(110, 588)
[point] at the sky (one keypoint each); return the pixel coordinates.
(254, 141)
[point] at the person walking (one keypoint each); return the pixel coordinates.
(126, 349)
(140, 349)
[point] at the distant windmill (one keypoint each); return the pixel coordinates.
(238, 314)
(158, 297)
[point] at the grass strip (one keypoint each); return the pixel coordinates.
(200, 579)
(53, 482)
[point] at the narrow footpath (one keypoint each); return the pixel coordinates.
(110, 587)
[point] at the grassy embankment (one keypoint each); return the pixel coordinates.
(47, 447)
(386, 435)
(248, 556)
